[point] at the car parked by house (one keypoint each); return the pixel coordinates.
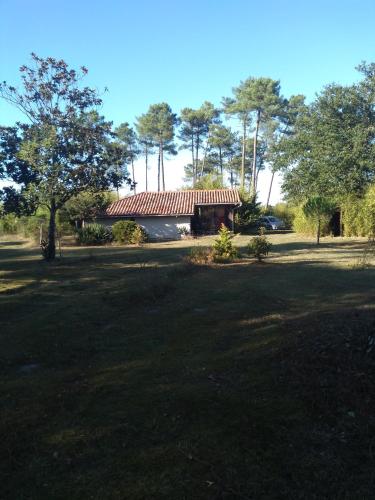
(271, 223)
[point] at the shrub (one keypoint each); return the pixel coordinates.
(128, 232)
(247, 215)
(223, 249)
(259, 246)
(304, 225)
(139, 235)
(94, 234)
(358, 215)
(369, 212)
(9, 224)
(199, 255)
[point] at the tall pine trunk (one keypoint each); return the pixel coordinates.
(221, 164)
(133, 175)
(253, 188)
(146, 158)
(269, 191)
(205, 151)
(193, 161)
(243, 154)
(50, 249)
(196, 154)
(159, 168)
(162, 166)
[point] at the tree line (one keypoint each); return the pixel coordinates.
(65, 147)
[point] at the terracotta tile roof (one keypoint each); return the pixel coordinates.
(171, 202)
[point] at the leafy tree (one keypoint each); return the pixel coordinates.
(277, 132)
(128, 140)
(209, 181)
(247, 215)
(86, 205)
(222, 141)
(331, 152)
(261, 98)
(318, 209)
(158, 125)
(238, 106)
(146, 143)
(195, 128)
(64, 147)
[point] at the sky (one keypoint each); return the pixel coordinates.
(183, 53)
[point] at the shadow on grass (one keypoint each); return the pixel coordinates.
(213, 413)
(162, 382)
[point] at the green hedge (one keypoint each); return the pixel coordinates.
(359, 215)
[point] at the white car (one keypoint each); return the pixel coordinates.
(271, 222)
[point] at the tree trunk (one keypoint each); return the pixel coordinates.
(196, 153)
(146, 158)
(162, 167)
(159, 168)
(341, 223)
(221, 164)
(134, 184)
(254, 172)
(192, 160)
(205, 151)
(318, 233)
(50, 248)
(243, 155)
(269, 191)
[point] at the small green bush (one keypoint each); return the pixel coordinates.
(223, 249)
(259, 247)
(128, 232)
(94, 234)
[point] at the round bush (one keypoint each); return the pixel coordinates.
(128, 232)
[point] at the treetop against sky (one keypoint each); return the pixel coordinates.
(148, 52)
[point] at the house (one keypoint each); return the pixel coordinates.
(167, 214)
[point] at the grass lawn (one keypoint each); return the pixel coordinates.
(126, 374)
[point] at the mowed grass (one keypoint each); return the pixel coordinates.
(127, 374)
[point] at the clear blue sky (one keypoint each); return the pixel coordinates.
(149, 51)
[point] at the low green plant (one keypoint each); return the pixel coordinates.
(128, 232)
(94, 234)
(259, 246)
(223, 249)
(139, 235)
